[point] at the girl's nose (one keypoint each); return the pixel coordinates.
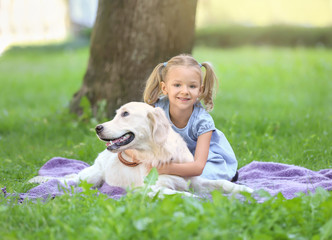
(184, 89)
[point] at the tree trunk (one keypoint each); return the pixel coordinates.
(129, 39)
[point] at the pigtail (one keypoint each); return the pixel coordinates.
(152, 89)
(210, 84)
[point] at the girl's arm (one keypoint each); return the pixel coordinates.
(195, 168)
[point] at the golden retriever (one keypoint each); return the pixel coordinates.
(147, 132)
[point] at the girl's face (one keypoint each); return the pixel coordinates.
(182, 86)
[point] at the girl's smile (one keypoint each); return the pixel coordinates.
(184, 99)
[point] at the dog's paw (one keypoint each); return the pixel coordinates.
(247, 189)
(39, 179)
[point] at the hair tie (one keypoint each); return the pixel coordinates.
(200, 65)
(165, 63)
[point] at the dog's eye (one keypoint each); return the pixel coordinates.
(124, 114)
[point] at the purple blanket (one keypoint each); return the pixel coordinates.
(287, 179)
(269, 176)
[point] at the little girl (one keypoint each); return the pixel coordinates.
(178, 86)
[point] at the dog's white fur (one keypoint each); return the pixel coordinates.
(155, 144)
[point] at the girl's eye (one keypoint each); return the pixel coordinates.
(124, 114)
(176, 85)
(192, 86)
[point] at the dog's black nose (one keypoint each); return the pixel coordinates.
(99, 128)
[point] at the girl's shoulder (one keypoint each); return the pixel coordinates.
(200, 113)
(162, 102)
(202, 120)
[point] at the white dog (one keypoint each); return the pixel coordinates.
(146, 131)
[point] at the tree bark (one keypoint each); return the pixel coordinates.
(129, 39)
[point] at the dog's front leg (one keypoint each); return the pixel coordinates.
(92, 175)
(202, 185)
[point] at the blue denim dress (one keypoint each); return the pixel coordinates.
(221, 162)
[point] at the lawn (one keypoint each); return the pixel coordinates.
(274, 104)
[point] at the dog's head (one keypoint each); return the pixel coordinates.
(136, 125)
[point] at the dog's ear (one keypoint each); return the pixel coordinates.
(159, 125)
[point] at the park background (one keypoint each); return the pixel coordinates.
(36, 22)
(274, 62)
(24, 22)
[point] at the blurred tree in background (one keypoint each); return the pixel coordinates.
(128, 40)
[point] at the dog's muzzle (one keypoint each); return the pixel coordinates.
(114, 143)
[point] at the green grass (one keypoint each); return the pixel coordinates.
(274, 104)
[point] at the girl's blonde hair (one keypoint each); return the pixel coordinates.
(153, 85)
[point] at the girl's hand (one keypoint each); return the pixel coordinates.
(190, 169)
(161, 170)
